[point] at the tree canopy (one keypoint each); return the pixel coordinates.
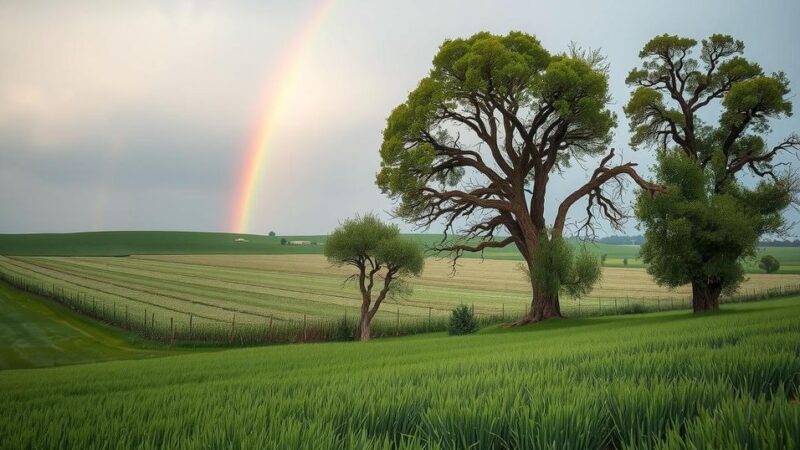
(475, 144)
(708, 221)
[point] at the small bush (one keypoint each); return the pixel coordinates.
(635, 308)
(624, 261)
(344, 331)
(769, 264)
(462, 321)
(283, 241)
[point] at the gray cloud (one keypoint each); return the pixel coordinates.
(136, 115)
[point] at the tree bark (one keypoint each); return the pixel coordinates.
(364, 327)
(705, 295)
(363, 324)
(543, 307)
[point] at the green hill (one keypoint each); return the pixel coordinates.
(122, 243)
(35, 332)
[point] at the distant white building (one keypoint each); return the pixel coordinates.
(240, 240)
(300, 242)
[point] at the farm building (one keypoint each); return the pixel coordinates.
(300, 242)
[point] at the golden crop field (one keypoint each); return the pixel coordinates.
(256, 288)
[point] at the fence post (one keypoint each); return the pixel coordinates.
(145, 319)
(616, 307)
(114, 317)
(579, 306)
(304, 327)
(190, 326)
(269, 332)
(172, 331)
(397, 325)
(153, 323)
(659, 303)
(429, 319)
(233, 329)
(599, 306)
(504, 312)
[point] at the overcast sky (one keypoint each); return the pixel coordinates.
(136, 115)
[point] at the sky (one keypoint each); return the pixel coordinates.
(139, 115)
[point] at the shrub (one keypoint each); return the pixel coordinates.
(344, 330)
(272, 233)
(462, 321)
(624, 261)
(603, 259)
(283, 241)
(769, 264)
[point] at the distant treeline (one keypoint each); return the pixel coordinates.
(639, 240)
(622, 240)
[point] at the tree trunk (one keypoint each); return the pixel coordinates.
(363, 324)
(543, 307)
(364, 328)
(705, 296)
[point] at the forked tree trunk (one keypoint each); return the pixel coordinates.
(705, 296)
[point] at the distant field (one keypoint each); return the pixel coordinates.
(256, 289)
(124, 243)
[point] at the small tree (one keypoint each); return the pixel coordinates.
(624, 261)
(603, 259)
(769, 264)
(283, 241)
(380, 257)
(462, 321)
(272, 233)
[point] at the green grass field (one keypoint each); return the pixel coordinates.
(123, 243)
(35, 332)
(667, 380)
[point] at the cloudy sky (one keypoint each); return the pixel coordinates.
(137, 115)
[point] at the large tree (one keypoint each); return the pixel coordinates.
(381, 257)
(475, 146)
(708, 118)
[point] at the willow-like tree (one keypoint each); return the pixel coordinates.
(700, 230)
(381, 257)
(477, 143)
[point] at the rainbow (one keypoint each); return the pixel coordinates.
(275, 104)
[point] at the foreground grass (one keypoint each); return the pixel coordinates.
(35, 332)
(667, 380)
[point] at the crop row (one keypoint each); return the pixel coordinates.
(176, 301)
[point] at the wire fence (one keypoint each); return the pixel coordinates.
(189, 329)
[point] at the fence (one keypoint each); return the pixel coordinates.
(186, 328)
